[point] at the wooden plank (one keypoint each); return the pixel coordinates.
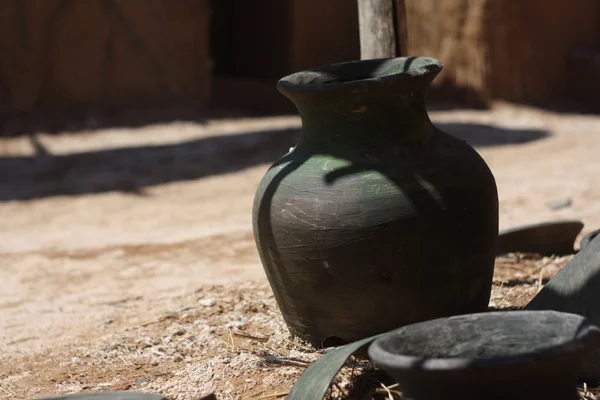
(377, 27)
(401, 29)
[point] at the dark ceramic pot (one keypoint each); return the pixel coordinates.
(547, 238)
(588, 238)
(496, 355)
(376, 219)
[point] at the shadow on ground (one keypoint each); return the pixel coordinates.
(131, 169)
(88, 119)
(479, 135)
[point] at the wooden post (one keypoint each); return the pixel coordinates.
(401, 29)
(382, 27)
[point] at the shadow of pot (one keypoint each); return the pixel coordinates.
(492, 355)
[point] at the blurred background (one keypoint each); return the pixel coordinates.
(106, 57)
(133, 135)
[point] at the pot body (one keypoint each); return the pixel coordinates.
(376, 219)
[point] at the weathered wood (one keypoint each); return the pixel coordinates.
(401, 29)
(377, 27)
(60, 55)
(514, 51)
(324, 37)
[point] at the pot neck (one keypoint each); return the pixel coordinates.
(387, 106)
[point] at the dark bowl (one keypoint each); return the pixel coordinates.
(492, 355)
(546, 238)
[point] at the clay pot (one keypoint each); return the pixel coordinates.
(588, 238)
(496, 355)
(375, 219)
(547, 238)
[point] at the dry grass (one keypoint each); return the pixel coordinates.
(232, 341)
(86, 278)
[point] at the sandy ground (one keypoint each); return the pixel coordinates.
(118, 237)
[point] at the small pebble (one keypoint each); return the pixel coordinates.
(177, 358)
(558, 204)
(75, 359)
(207, 302)
(141, 381)
(179, 332)
(234, 325)
(240, 307)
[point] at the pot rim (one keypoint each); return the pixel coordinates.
(315, 79)
(396, 361)
(571, 223)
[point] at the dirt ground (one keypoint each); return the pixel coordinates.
(128, 261)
